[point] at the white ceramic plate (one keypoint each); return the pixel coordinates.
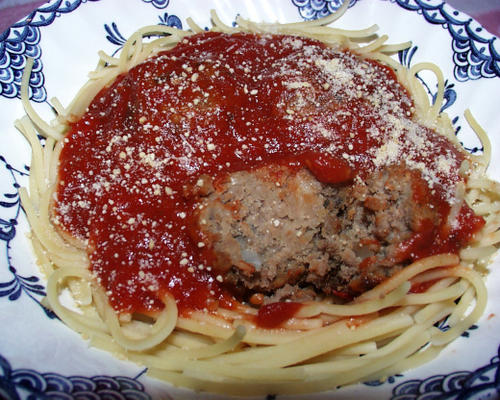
(39, 356)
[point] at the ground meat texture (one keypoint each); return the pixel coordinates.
(367, 227)
(278, 231)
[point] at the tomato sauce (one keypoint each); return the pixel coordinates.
(422, 287)
(274, 314)
(216, 104)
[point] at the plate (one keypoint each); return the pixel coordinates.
(39, 355)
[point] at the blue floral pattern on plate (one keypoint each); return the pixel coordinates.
(482, 383)
(313, 9)
(10, 210)
(475, 56)
(21, 41)
(476, 52)
(20, 383)
(115, 37)
(158, 3)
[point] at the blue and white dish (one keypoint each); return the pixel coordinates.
(42, 358)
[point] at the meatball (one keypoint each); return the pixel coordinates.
(278, 231)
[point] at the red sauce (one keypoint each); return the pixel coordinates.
(422, 286)
(213, 105)
(274, 314)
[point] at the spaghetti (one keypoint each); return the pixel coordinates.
(157, 299)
